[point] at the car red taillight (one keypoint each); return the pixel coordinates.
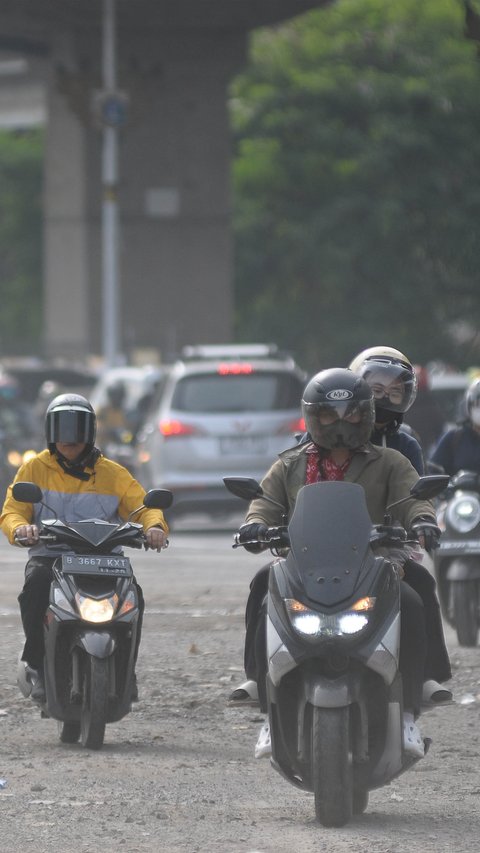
(174, 429)
(297, 425)
(234, 368)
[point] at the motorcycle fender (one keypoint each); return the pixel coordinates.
(464, 569)
(329, 693)
(98, 644)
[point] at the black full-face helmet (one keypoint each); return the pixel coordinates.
(338, 409)
(70, 418)
(392, 378)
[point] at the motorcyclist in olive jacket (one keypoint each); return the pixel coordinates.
(339, 412)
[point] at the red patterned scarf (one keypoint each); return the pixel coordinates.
(323, 467)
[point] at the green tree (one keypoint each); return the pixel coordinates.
(357, 183)
(20, 242)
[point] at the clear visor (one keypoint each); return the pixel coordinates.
(394, 388)
(70, 427)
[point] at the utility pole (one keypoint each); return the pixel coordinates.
(112, 112)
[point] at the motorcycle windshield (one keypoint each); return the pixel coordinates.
(329, 538)
(95, 531)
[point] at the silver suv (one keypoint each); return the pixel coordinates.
(224, 410)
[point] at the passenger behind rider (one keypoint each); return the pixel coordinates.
(78, 482)
(459, 447)
(393, 381)
(340, 449)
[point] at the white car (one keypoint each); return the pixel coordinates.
(223, 411)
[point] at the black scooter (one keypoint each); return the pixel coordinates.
(334, 690)
(91, 623)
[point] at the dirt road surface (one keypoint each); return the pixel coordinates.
(178, 774)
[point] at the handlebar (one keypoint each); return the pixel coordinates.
(42, 537)
(277, 537)
(387, 533)
(49, 537)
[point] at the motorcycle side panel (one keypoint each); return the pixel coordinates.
(280, 661)
(390, 762)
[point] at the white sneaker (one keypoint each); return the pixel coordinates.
(412, 738)
(245, 694)
(435, 693)
(263, 748)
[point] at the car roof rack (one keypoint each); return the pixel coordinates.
(230, 351)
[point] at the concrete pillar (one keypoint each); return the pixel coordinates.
(66, 228)
(174, 195)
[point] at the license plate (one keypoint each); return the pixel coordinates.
(470, 545)
(233, 444)
(93, 565)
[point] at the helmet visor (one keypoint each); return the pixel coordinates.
(70, 427)
(339, 424)
(394, 386)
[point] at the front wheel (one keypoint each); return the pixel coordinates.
(465, 608)
(94, 702)
(332, 770)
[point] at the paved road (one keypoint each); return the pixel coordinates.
(178, 774)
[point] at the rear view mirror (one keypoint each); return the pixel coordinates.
(429, 487)
(28, 493)
(243, 487)
(158, 499)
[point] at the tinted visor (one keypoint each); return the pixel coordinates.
(70, 427)
(350, 410)
(345, 424)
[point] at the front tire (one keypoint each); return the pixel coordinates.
(94, 702)
(465, 608)
(332, 771)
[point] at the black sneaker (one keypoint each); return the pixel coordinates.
(36, 679)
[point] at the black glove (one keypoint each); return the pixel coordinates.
(429, 530)
(254, 530)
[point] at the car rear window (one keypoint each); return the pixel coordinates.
(252, 392)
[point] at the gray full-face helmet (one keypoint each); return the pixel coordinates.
(70, 418)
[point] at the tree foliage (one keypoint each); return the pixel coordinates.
(20, 241)
(357, 183)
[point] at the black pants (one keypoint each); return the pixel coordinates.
(423, 655)
(33, 601)
(437, 663)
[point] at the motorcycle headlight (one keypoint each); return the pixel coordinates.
(96, 609)
(315, 624)
(463, 513)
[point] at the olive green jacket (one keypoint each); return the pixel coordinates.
(385, 474)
